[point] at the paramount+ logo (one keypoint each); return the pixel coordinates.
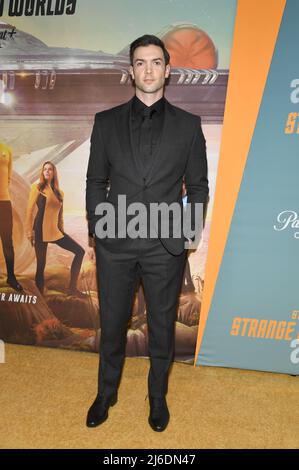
(287, 220)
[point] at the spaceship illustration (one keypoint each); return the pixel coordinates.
(52, 93)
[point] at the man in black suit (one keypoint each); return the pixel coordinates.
(142, 150)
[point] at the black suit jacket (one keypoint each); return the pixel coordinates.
(113, 163)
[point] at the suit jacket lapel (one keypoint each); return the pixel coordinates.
(123, 133)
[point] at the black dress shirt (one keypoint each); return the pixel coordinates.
(147, 122)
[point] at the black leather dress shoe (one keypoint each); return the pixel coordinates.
(159, 414)
(98, 412)
(13, 282)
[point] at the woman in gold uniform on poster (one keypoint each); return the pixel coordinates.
(6, 218)
(44, 224)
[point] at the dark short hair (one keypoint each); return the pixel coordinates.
(146, 40)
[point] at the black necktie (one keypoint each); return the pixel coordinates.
(145, 141)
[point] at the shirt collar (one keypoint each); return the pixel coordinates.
(138, 106)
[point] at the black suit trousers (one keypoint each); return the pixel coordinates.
(161, 274)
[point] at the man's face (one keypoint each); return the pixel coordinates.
(149, 70)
